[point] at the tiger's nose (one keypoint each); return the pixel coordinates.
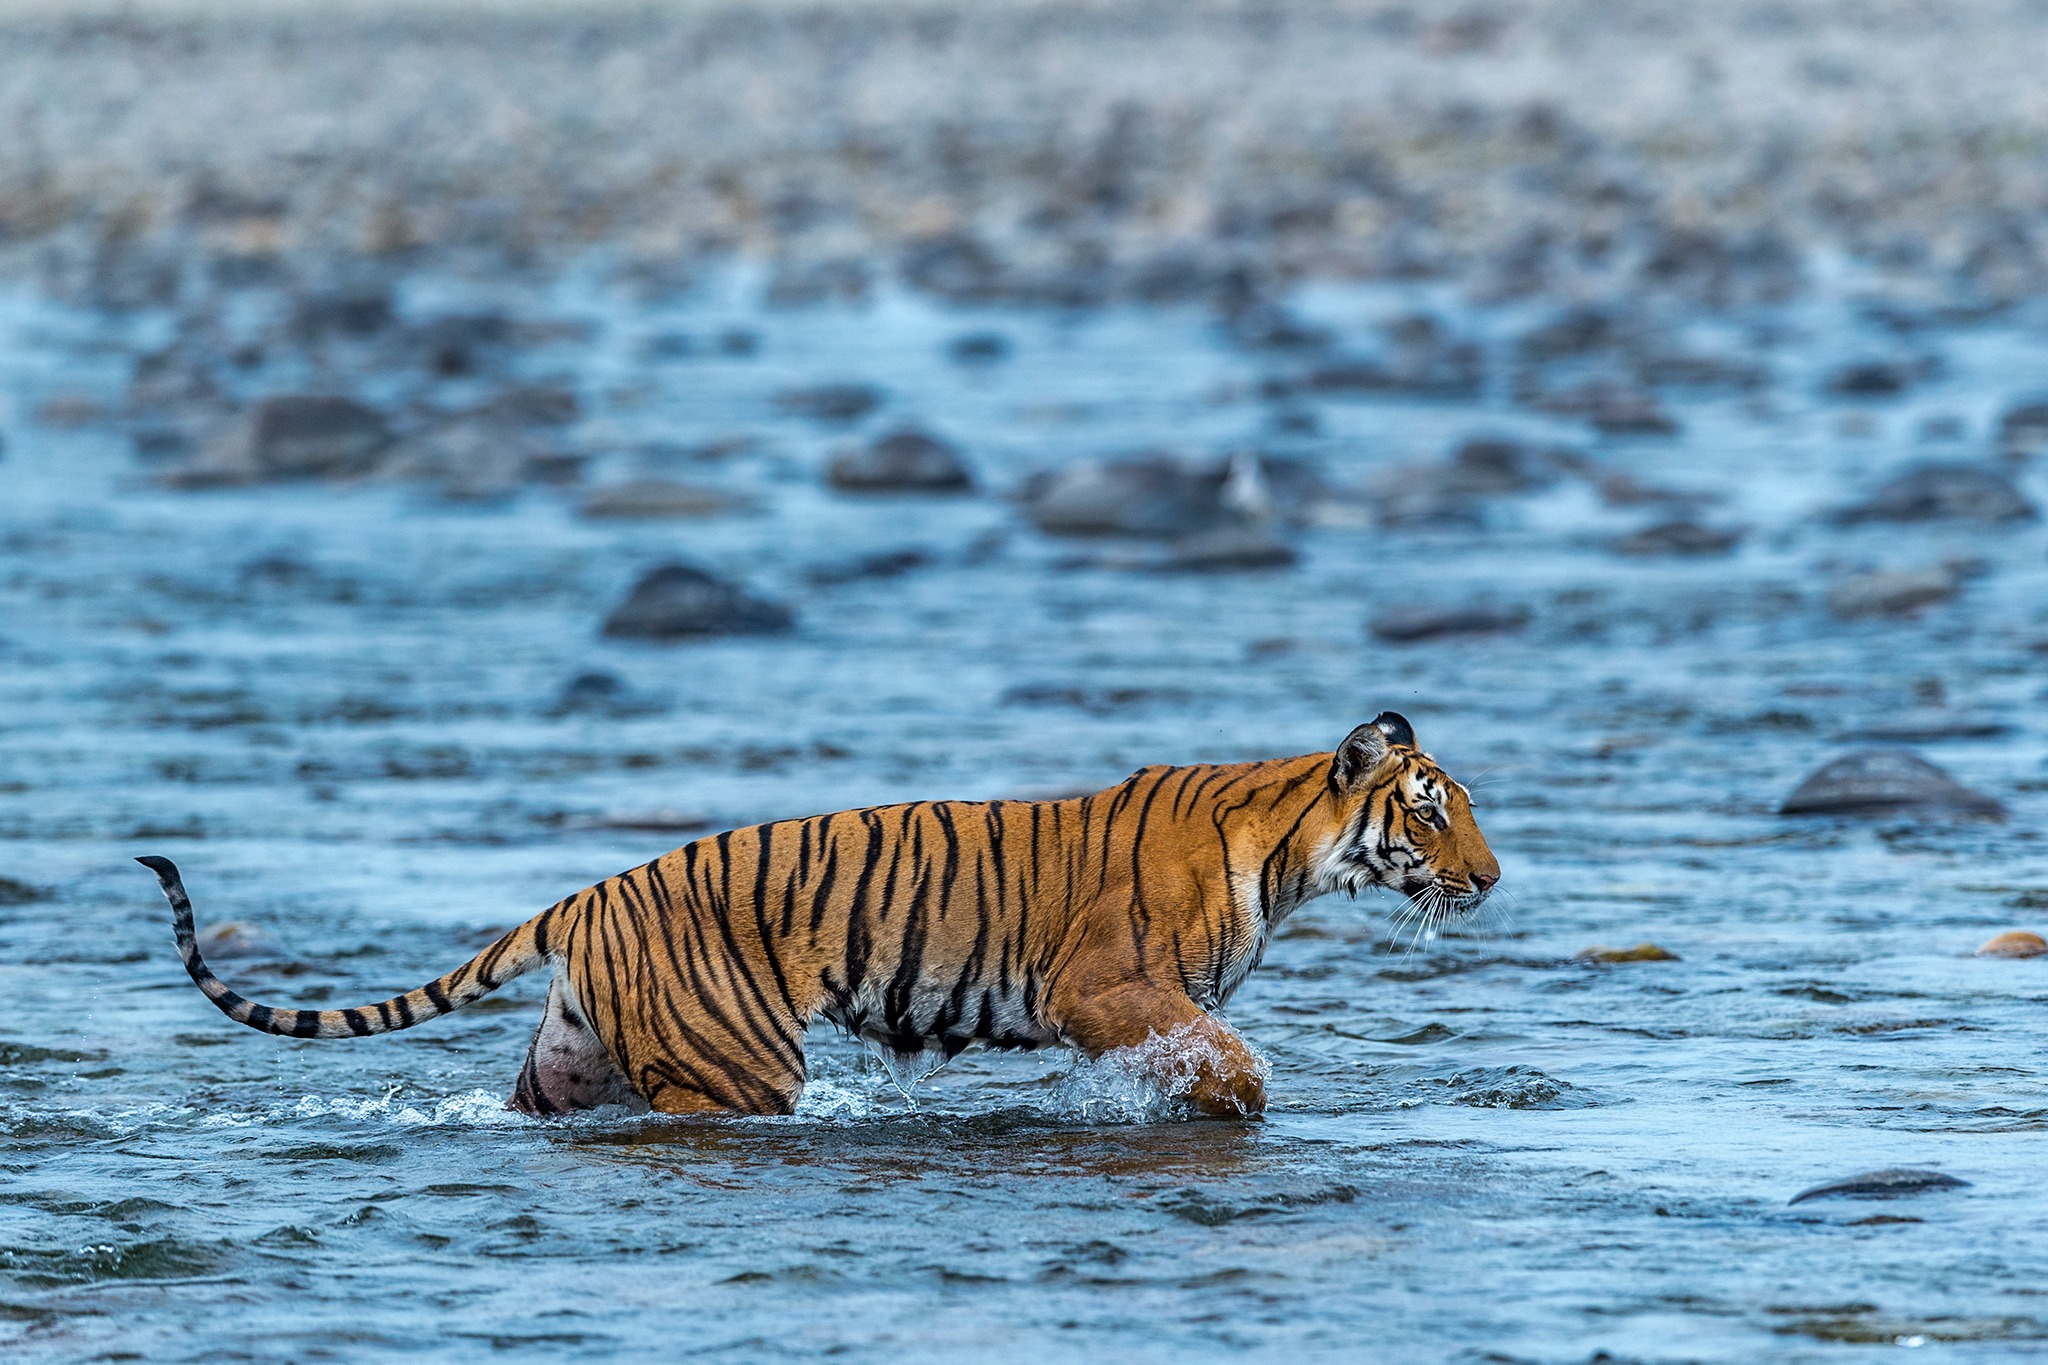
(1485, 881)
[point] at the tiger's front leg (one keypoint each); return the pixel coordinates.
(1229, 1080)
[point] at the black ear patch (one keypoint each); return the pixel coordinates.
(1396, 728)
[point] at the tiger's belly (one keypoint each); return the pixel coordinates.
(940, 1016)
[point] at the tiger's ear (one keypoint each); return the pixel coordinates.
(1364, 748)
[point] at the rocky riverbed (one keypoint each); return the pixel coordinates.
(449, 460)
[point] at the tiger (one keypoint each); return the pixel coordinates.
(1099, 923)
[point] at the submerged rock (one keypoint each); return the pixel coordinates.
(1642, 952)
(1225, 549)
(235, 939)
(1886, 1184)
(293, 436)
(655, 499)
(1148, 496)
(1687, 538)
(1886, 782)
(908, 460)
(680, 601)
(830, 402)
(1941, 492)
(1413, 624)
(1871, 379)
(1893, 592)
(2023, 431)
(2013, 943)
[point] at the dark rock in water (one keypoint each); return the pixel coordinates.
(1489, 465)
(1225, 549)
(295, 436)
(1871, 379)
(1942, 492)
(738, 342)
(1886, 1184)
(1893, 592)
(13, 892)
(830, 402)
(1678, 538)
(886, 564)
(1269, 327)
(346, 312)
(458, 344)
(903, 461)
(1149, 496)
(1572, 333)
(1614, 406)
(314, 437)
(1885, 782)
(1922, 727)
(979, 348)
(590, 690)
(679, 601)
(1413, 624)
(536, 404)
(652, 499)
(2024, 430)
(599, 694)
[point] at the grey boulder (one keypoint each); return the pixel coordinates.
(681, 601)
(1885, 782)
(903, 461)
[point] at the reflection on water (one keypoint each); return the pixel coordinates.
(360, 718)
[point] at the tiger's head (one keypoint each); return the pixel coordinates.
(1403, 824)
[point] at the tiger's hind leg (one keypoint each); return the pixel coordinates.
(567, 1068)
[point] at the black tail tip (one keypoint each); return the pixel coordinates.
(163, 867)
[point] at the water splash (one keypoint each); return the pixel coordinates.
(470, 1109)
(1147, 1082)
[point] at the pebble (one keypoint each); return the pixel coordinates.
(907, 460)
(1414, 624)
(656, 498)
(679, 601)
(830, 402)
(978, 348)
(1893, 592)
(1886, 1184)
(1941, 492)
(1146, 496)
(1885, 782)
(1687, 538)
(1870, 379)
(2013, 943)
(2023, 431)
(1642, 952)
(234, 939)
(1225, 549)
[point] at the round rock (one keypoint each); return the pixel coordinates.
(302, 436)
(681, 601)
(1150, 496)
(1942, 492)
(1885, 782)
(1886, 1184)
(1413, 624)
(903, 461)
(2013, 943)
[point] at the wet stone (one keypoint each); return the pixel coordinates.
(1871, 379)
(652, 499)
(1642, 952)
(1885, 782)
(1890, 1183)
(1415, 624)
(1893, 592)
(830, 402)
(1941, 492)
(1147, 496)
(237, 940)
(1227, 549)
(907, 460)
(311, 437)
(2013, 943)
(2023, 431)
(978, 348)
(1678, 538)
(681, 601)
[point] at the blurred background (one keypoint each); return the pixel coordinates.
(451, 452)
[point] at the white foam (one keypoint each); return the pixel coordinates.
(470, 1109)
(1147, 1082)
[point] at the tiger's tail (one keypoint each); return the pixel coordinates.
(519, 951)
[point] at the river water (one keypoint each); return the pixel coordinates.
(336, 707)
